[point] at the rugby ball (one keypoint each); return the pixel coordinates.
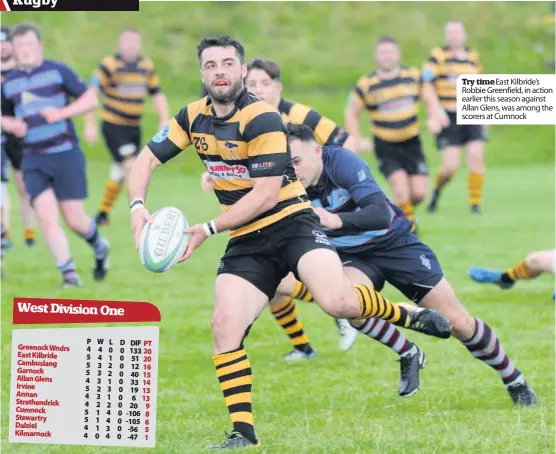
(163, 242)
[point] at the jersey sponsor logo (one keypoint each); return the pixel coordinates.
(132, 90)
(223, 170)
(161, 135)
(397, 105)
(263, 165)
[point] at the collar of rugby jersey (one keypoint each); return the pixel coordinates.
(240, 103)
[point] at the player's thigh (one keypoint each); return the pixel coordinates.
(475, 152)
(542, 261)
(237, 304)
(70, 178)
(443, 299)
(399, 182)
(46, 208)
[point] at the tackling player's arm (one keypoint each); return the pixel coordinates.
(86, 99)
(158, 98)
(352, 113)
(165, 145)
(352, 173)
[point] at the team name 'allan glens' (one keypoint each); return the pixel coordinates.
(55, 308)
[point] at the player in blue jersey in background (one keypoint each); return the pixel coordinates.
(376, 245)
(36, 107)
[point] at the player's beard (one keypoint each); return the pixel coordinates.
(228, 96)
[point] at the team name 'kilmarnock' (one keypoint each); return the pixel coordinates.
(35, 3)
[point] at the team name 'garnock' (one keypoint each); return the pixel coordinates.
(35, 3)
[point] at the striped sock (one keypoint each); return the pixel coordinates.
(96, 240)
(67, 268)
(286, 314)
(373, 304)
(234, 374)
(111, 191)
(387, 334)
(409, 211)
(484, 346)
(475, 184)
(30, 234)
(520, 271)
(441, 181)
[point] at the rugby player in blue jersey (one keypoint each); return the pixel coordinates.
(36, 107)
(376, 245)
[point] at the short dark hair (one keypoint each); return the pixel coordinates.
(221, 41)
(268, 66)
(130, 30)
(300, 132)
(23, 29)
(386, 39)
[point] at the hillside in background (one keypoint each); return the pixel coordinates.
(322, 47)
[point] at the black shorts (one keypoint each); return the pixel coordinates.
(407, 156)
(266, 256)
(407, 264)
(14, 151)
(458, 135)
(123, 142)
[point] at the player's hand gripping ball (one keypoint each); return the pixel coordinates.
(163, 241)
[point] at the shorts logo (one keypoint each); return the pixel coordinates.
(161, 135)
(422, 168)
(321, 238)
(425, 261)
(221, 265)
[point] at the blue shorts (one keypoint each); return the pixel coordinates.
(63, 172)
(4, 172)
(406, 263)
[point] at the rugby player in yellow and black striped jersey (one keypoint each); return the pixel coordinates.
(243, 143)
(391, 94)
(125, 80)
(440, 73)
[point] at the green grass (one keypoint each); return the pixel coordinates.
(339, 402)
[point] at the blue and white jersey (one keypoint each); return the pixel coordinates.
(26, 94)
(345, 181)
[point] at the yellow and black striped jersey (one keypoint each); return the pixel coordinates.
(125, 87)
(391, 103)
(326, 131)
(442, 70)
(249, 143)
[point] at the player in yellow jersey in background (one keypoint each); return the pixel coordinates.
(441, 72)
(391, 95)
(125, 80)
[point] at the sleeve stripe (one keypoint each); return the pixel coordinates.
(312, 119)
(104, 70)
(262, 124)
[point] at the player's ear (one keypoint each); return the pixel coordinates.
(244, 72)
(280, 86)
(318, 150)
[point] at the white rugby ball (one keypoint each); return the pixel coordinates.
(163, 242)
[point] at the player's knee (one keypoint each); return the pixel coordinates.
(336, 303)
(74, 221)
(418, 195)
(450, 168)
(220, 323)
(539, 261)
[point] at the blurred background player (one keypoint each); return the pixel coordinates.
(376, 245)
(11, 149)
(535, 264)
(36, 108)
(441, 72)
(390, 94)
(125, 80)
